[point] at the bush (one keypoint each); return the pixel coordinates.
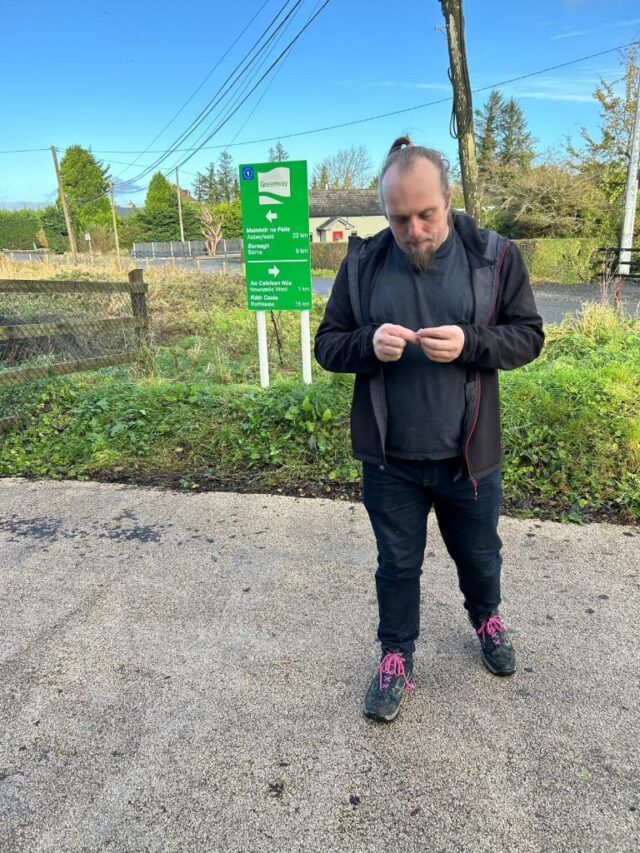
(19, 229)
(327, 256)
(55, 229)
(567, 260)
(102, 239)
(147, 226)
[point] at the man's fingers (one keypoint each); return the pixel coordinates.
(435, 333)
(401, 332)
(394, 341)
(437, 345)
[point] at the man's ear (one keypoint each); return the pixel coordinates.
(448, 197)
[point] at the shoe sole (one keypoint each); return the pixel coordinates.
(495, 671)
(379, 718)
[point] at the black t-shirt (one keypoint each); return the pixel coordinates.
(426, 399)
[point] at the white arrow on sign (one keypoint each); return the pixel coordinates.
(273, 271)
(271, 216)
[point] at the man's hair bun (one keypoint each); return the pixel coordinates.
(399, 143)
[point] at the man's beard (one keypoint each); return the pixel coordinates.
(420, 257)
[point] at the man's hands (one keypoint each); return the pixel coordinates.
(390, 340)
(439, 343)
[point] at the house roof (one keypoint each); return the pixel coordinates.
(331, 203)
(327, 224)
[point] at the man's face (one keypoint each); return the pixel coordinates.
(417, 209)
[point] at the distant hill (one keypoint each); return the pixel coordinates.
(23, 205)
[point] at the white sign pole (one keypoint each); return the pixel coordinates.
(305, 339)
(263, 353)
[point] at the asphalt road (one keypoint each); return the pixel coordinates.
(186, 673)
(554, 301)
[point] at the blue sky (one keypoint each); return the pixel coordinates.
(111, 75)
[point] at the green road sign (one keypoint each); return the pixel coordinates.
(275, 226)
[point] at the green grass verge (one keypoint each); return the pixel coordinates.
(571, 422)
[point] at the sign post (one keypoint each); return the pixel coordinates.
(275, 225)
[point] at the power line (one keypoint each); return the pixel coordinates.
(396, 112)
(273, 64)
(238, 72)
(33, 151)
(241, 95)
(356, 121)
(195, 92)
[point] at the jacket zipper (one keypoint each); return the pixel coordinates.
(471, 431)
(478, 379)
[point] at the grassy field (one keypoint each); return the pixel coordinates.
(199, 419)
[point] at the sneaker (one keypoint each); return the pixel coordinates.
(497, 652)
(389, 684)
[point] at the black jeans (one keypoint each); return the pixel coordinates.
(398, 499)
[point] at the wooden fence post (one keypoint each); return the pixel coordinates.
(140, 310)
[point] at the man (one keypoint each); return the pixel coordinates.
(425, 313)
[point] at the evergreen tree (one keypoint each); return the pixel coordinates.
(227, 180)
(200, 187)
(515, 143)
(86, 184)
(278, 154)
(320, 178)
(487, 120)
(212, 184)
(161, 196)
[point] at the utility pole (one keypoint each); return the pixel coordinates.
(115, 221)
(631, 197)
(463, 108)
(179, 206)
(65, 208)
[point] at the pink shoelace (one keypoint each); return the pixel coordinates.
(392, 665)
(494, 627)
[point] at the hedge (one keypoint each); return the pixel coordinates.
(19, 229)
(565, 260)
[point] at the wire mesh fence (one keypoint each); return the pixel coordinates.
(54, 328)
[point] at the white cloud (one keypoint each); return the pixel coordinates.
(624, 23)
(570, 35)
(578, 89)
(441, 87)
(555, 96)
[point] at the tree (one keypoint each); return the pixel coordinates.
(211, 230)
(200, 187)
(605, 160)
(348, 168)
(550, 200)
(278, 154)
(227, 179)
(515, 143)
(86, 184)
(487, 120)
(230, 214)
(320, 177)
(161, 196)
(205, 187)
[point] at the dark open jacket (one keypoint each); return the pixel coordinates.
(506, 332)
